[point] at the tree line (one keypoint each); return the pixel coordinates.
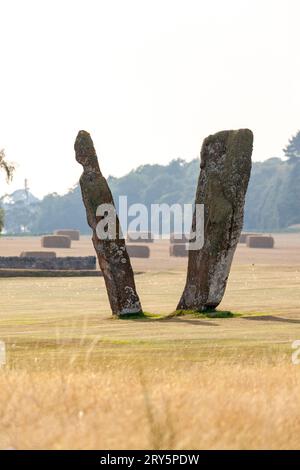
(272, 202)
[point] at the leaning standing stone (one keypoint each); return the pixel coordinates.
(223, 181)
(112, 254)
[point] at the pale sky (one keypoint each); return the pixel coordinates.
(148, 79)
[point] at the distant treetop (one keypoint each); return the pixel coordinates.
(292, 150)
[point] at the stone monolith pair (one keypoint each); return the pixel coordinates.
(222, 185)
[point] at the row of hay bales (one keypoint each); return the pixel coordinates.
(255, 240)
(179, 246)
(64, 238)
(178, 243)
(60, 239)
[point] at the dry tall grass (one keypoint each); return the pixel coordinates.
(192, 406)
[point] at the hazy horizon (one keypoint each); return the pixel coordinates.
(11, 187)
(148, 81)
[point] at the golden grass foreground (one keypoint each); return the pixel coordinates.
(213, 405)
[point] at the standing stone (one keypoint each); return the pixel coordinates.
(112, 254)
(222, 185)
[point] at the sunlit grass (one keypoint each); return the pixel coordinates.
(78, 378)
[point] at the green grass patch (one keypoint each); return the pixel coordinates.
(180, 313)
(140, 316)
(205, 314)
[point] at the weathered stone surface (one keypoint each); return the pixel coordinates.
(112, 254)
(223, 181)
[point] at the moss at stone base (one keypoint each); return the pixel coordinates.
(139, 316)
(179, 313)
(207, 314)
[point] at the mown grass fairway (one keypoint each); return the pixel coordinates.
(77, 378)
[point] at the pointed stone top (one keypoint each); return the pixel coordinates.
(85, 151)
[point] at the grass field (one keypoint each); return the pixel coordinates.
(76, 378)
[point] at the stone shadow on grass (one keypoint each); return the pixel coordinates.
(189, 321)
(271, 318)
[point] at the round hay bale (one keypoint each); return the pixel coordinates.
(38, 254)
(73, 234)
(178, 250)
(56, 241)
(260, 241)
(138, 251)
(140, 237)
(179, 238)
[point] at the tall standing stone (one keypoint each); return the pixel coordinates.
(222, 185)
(112, 254)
